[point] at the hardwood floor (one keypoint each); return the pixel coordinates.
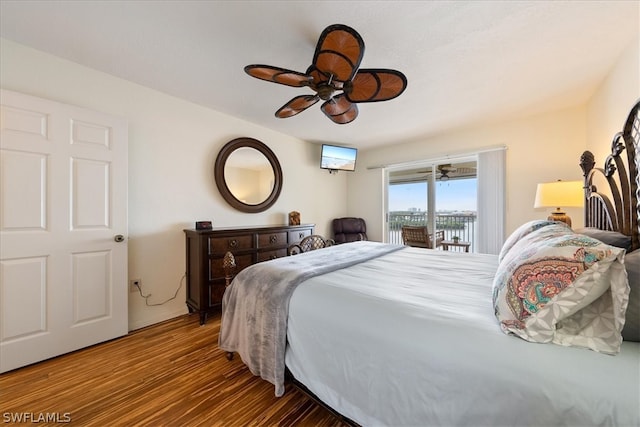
(169, 374)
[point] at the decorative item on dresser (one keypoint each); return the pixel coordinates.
(294, 218)
(206, 250)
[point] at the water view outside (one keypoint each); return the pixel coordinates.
(456, 208)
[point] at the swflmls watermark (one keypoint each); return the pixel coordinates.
(36, 417)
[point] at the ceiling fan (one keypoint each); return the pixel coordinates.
(335, 77)
(445, 170)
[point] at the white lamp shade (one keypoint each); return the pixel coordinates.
(559, 194)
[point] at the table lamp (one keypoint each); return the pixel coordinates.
(559, 194)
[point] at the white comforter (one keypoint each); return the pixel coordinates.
(410, 339)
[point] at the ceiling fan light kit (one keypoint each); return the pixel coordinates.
(335, 77)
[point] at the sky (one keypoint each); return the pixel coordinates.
(459, 195)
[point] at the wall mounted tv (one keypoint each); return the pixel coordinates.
(337, 158)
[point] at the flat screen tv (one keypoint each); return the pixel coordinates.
(337, 158)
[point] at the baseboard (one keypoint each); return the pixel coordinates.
(160, 317)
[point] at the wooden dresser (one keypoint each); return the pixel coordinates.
(249, 245)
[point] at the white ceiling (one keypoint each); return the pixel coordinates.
(466, 61)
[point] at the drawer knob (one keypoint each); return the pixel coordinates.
(233, 243)
(273, 238)
(301, 234)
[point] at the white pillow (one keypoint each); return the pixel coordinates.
(523, 230)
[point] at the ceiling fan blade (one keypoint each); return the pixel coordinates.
(296, 105)
(340, 110)
(278, 75)
(338, 52)
(375, 84)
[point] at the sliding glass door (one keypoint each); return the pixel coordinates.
(410, 195)
(463, 197)
(441, 195)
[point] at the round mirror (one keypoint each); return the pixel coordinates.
(248, 175)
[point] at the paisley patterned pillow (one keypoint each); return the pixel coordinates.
(521, 232)
(557, 286)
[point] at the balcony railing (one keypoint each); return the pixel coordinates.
(461, 225)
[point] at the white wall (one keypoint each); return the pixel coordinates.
(608, 108)
(172, 148)
(542, 148)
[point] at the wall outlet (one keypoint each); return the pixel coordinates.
(135, 285)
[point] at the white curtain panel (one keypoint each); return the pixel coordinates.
(491, 201)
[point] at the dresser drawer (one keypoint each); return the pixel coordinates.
(220, 245)
(297, 235)
(267, 255)
(267, 240)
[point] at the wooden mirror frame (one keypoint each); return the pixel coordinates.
(221, 182)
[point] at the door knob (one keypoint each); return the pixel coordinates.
(119, 238)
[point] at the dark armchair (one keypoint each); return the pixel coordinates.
(349, 229)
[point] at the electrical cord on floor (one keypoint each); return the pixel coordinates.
(146, 297)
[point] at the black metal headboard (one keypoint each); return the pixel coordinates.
(619, 209)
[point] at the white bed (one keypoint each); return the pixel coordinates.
(410, 338)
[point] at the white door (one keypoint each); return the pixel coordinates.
(63, 201)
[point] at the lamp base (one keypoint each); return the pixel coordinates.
(560, 216)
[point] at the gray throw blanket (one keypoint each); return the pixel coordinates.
(256, 305)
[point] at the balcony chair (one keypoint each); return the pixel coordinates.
(349, 229)
(310, 243)
(419, 237)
